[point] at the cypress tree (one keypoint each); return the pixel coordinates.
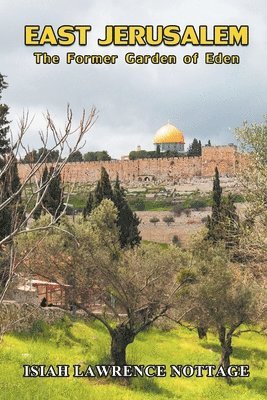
(213, 221)
(103, 189)
(217, 196)
(89, 205)
(10, 183)
(231, 224)
(4, 127)
(127, 220)
(223, 224)
(199, 148)
(53, 198)
(195, 148)
(11, 215)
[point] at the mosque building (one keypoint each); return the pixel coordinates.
(168, 137)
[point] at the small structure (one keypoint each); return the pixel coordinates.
(53, 292)
(33, 290)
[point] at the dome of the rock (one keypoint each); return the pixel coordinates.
(168, 137)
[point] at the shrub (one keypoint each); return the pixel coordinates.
(178, 209)
(40, 329)
(139, 205)
(154, 220)
(198, 204)
(187, 212)
(176, 241)
(168, 219)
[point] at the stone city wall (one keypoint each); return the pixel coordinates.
(162, 170)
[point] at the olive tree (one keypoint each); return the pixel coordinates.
(133, 287)
(225, 296)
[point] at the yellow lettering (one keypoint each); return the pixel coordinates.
(48, 36)
(189, 36)
(31, 33)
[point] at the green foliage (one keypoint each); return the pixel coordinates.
(187, 212)
(40, 329)
(154, 220)
(52, 200)
(176, 241)
(178, 209)
(223, 224)
(223, 296)
(89, 205)
(195, 148)
(4, 123)
(89, 345)
(140, 205)
(197, 204)
(127, 221)
(97, 156)
(41, 155)
(10, 215)
(103, 188)
(76, 156)
(142, 154)
(168, 219)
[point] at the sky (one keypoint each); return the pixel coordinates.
(134, 101)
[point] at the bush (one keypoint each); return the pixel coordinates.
(168, 219)
(140, 205)
(40, 329)
(187, 212)
(198, 204)
(176, 241)
(154, 220)
(204, 220)
(178, 209)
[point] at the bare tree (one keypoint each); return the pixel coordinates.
(65, 141)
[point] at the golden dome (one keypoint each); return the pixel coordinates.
(168, 134)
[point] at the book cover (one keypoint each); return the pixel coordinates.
(133, 199)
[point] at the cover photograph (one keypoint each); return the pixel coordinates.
(133, 212)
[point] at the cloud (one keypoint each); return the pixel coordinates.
(135, 100)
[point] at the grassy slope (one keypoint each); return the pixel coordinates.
(86, 344)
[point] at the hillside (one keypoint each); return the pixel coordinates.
(80, 343)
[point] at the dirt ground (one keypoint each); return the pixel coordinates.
(184, 227)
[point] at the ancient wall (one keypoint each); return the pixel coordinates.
(164, 170)
(20, 317)
(223, 157)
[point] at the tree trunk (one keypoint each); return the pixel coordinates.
(226, 344)
(121, 337)
(202, 332)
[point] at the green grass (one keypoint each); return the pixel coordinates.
(67, 343)
(161, 245)
(152, 205)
